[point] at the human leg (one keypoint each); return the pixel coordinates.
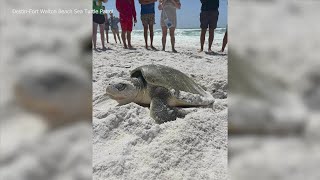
(164, 37)
(151, 35)
(225, 41)
(173, 39)
(94, 35)
(123, 36)
(114, 35)
(145, 32)
(117, 32)
(211, 37)
(129, 39)
(101, 26)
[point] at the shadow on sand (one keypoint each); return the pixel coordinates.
(216, 54)
(100, 49)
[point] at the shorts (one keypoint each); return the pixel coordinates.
(148, 19)
(126, 24)
(209, 19)
(98, 18)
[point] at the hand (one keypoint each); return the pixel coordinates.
(177, 5)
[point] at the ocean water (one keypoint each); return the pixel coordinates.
(192, 33)
(184, 37)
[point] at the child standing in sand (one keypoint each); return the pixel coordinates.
(127, 13)
(169, 20)
(208, 19)
(98, 19)
(113, 21)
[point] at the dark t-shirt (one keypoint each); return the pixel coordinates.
(209, 5)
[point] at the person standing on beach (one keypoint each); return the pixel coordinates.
(113, 21)
(127, 13)
(148, 19)
(208, 19)
(169, 20)
(98, 19)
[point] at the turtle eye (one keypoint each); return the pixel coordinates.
(121, 86)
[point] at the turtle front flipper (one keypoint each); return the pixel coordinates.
(160, 111)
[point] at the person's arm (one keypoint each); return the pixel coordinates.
(134, 12)
(176, 4)
(160, 6)
(147, 1)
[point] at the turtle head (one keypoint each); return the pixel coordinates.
(123, 91)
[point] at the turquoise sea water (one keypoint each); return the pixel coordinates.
(192, 33)
(184, 37)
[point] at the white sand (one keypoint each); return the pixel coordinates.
(274, 99)
(128, 144)
(27, 150)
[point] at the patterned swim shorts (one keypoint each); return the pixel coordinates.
(147, 19)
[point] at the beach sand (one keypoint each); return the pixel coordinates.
(274, 97)
(128, 144)
(27, 149)
(191, 147)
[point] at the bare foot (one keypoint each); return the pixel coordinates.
(104, 49)
(175, 51)
(163, 49)
(210, 51)
(147, 47)
(153, 48)
(125, 47)
(201, 50)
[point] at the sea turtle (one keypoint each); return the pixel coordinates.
(163, 88)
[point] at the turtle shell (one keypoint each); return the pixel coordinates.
(172, 79)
